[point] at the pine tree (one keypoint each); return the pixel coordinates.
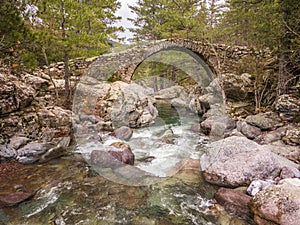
(161, 19)
(73, 28)
(14, 35)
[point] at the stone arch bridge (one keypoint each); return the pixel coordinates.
(219, 58)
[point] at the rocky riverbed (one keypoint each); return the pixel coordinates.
(244, 168)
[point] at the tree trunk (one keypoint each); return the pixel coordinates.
(66, 57)
(282, 85)
(67, 102)
(49, 73)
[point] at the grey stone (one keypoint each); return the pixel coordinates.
(6, 152)
(274, 135)
(236, 161)
(249, 131)
(17, 141)
(34, 149)
(258, 185)
(123, 133)
(261, 121)
(288, 106)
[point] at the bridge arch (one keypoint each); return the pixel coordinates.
(180, 57)
(122, 65)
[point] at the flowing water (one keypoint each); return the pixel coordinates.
(69, 191)
(167, 142)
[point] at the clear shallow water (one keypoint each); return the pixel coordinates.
(168, 141)
(68, 191)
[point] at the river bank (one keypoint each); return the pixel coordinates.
(52, 183)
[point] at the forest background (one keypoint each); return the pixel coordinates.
(34, 33)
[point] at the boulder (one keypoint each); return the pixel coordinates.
(292, 136)
(123, 133)
(290, 152)
(6, 152)
(123, 104)
(288, 106)
(104, 159)
(248, 130)
(17, 141)
(200, 104)
(235, 202)
(172, 93)
(217, 125)
(196, 128)
(236, 161)
(237, 87)
(122, 152)
(15, 198)
(261, 121)
(169, 137)
(273, 136)
(15, 95)
(278, 204)
(32, 152)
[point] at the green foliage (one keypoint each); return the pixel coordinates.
(161, 19)
(251, 23)
(15, 37)
(274, 24)
(81, 28)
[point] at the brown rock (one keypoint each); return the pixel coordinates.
(122, 152)
(103, 159)
(235, 202)
(278, 204)
(14, 198)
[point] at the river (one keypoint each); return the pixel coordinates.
(70, 191)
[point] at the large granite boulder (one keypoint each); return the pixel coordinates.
(216, 123)
(125, 105)
(123, 133)
(236, 161)
(278, 204)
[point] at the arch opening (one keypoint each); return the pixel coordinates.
(181, 79)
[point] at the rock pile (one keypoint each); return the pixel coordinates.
(29, 127)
